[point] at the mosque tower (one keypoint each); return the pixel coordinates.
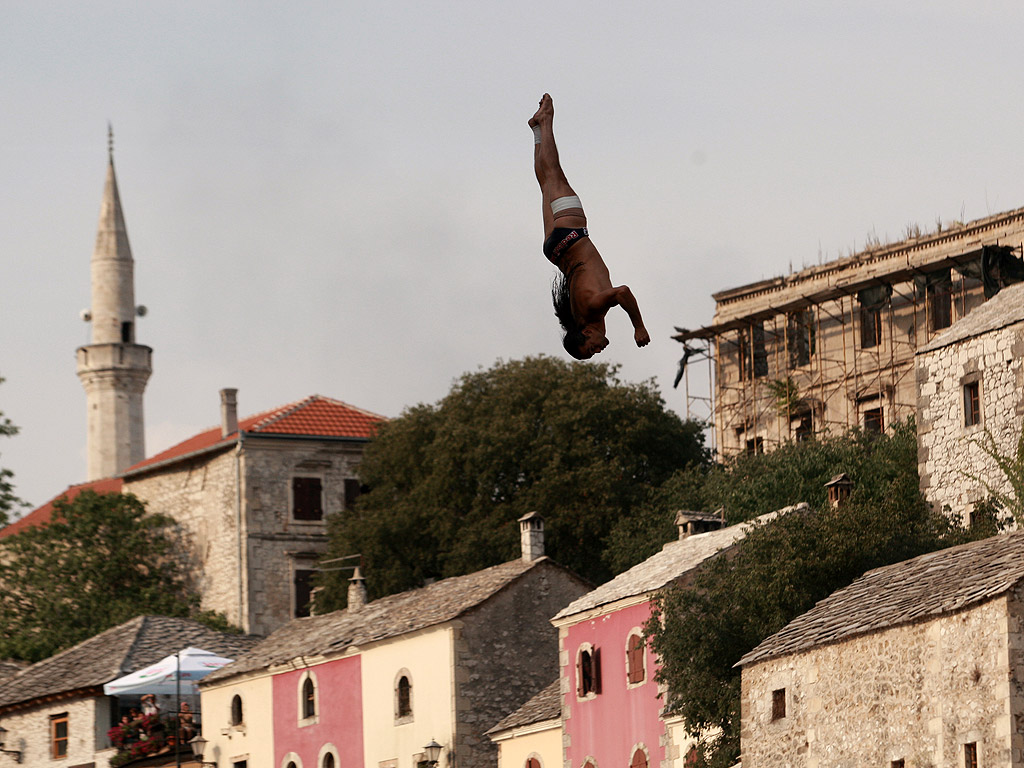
(113, 368)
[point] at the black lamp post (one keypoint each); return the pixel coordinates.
(3, 741)
(432, 752)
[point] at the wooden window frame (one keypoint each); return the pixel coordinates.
(972, 403)
(636, 672)
(57, 742)
(971, 754)
(588, 671)
(307, 498)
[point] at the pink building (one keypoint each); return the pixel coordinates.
(611, 711)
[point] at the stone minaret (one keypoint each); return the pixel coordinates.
(113, 368)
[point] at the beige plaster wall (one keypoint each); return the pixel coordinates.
(253, 741)
(954, 468)
(916, 693)
(542, 741)
(426, 657)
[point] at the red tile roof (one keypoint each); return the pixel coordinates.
(43, 514)
(315, 416)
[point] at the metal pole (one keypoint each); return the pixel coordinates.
(177, 714)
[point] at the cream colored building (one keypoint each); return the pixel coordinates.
(832, 347)
(238, 722)
(918, 664)
(531, 737)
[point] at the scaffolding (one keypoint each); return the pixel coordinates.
(827, 361)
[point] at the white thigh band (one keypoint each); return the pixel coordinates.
(565, 203)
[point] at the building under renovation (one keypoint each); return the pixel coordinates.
(832, 347)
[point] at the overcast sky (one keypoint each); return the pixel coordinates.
(338, 197)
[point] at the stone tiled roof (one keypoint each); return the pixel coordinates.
(919, 589)
(546, 705)
(315, 416)
(675, 560)
(120, 650)
(43, 514)
(1003, 309)
(387, 617)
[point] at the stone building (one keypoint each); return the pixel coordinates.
(55, 712)
(371, 685)
(832, 347)
(942, 636)
(971, 397)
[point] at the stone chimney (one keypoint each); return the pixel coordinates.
(531, 536)
(691, 523)
(839, 489)
(356, 590)
(228, 412)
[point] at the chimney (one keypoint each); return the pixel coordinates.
(691, 523)
(839, 489)
(228, 412)
(356, 590)
(531, 536)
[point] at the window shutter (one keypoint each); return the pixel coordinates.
(595, 662)
(635, 659)
(306, 498)
(580, 659)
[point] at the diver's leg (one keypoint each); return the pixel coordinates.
(553, 184)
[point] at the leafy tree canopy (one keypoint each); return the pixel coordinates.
(782, 568)
(8, 501)
(448, 481)
(101, 561)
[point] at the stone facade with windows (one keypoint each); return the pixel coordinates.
(971, 394)
(832, 346)
(943, 636)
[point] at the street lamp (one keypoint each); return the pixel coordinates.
(3, 741)
(198, 745)
(432, 752)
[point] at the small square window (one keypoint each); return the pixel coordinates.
(896, 763)
(873, 421)
(778, 704)
(870, 327)
(972, 404)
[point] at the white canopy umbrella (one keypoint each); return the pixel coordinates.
(177, 673)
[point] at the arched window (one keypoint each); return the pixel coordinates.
(639, 759)
(308, 698)
(532, 762)
(635, 672)
(403, 697)
(328, 761)
(236, 710)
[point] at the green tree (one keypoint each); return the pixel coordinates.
(100, 561)
(448, 481)
(8, 501)
(782, 568)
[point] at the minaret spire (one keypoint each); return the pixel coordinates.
(113, 368)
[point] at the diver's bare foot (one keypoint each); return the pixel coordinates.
(545, 113)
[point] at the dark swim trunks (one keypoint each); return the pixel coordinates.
(561, 240)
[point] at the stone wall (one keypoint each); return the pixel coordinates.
(243, 552)
(953, 467)
(916, 693)
(506, 651)
(28, 730)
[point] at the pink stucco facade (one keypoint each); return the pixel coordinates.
(607, 727)
(337, 726)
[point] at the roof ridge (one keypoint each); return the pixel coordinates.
(276, 414)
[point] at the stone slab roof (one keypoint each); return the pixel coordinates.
(387, 617)
(546, 705)
(922, 588)
(1003, 309)
(676, 559)
(120, 650)
(315, 416)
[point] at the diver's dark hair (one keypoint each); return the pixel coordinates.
(573, 340)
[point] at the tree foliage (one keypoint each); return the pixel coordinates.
(100, 561)
(781, 569)
(448, 481)
(8, 500)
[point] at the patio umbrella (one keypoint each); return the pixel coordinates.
(177, 673)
